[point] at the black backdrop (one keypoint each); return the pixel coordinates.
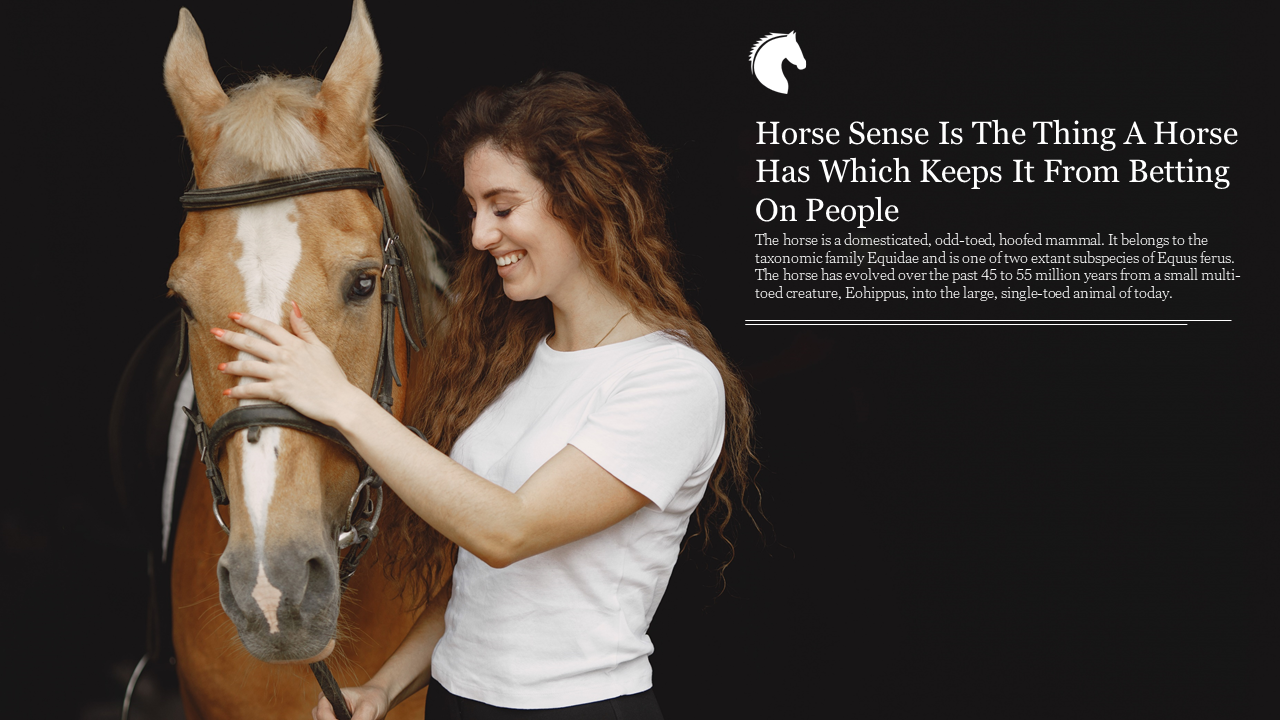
(1004, 521)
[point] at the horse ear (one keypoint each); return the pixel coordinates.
(347, 90)
(193, 88)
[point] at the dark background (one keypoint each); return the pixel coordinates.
(1053, 522)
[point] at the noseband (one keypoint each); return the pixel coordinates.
(363, 510)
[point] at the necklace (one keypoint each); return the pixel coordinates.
(615, 327)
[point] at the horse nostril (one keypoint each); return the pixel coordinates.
(315, 572)
(226, 594)
(319, 591)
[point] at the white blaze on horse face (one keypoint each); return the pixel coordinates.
(268, 598)
(258, 478)
(270, 251)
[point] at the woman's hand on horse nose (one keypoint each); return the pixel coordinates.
(295, 367)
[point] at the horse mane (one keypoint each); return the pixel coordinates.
(756, 48)
(419, 577)
(420, 239)
(263, 130)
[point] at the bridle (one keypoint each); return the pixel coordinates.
(365, 507)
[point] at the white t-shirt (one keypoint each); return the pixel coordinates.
(568, 626)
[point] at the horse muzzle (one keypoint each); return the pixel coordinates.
(285, 604)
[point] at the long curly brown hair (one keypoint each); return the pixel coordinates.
(604, 182)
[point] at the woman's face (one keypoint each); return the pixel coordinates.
(532, 251)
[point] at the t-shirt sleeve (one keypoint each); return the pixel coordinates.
(662, 425)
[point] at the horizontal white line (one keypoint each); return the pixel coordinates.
(986, 320)
(967, 324)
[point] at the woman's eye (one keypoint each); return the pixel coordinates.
(362, 287)
(470, 214)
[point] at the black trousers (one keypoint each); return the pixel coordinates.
(444, 705)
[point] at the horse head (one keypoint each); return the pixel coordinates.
(288, 490)
(766, 59)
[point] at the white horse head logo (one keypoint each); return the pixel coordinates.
(767, 56)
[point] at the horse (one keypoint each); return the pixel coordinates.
(253, 605)
(767, 56)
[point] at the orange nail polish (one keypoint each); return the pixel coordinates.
(235, 316)
(222, 366)
(227, 391)
(296, 310)
(217, 332)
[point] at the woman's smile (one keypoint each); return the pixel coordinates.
(507, 262)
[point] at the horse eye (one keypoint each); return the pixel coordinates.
(362, 287)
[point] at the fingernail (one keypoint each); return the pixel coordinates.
(235, 316)
(222, 367)
(227, 391)
(296, 310)
(217, 332)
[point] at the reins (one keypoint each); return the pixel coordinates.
(365, 506)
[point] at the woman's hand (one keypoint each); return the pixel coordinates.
(294, 369)
(367, 702)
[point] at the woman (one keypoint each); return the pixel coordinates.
(584, 408)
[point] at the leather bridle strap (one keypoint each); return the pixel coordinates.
(271, 414)
(209, 440)
(280, 188)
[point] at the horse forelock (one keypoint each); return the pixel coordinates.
(263, 126)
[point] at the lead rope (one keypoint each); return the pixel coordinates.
(331, 691)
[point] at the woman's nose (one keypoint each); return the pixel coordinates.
(484, 232)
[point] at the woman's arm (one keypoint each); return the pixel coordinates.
(407, 671)
(568, 498)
